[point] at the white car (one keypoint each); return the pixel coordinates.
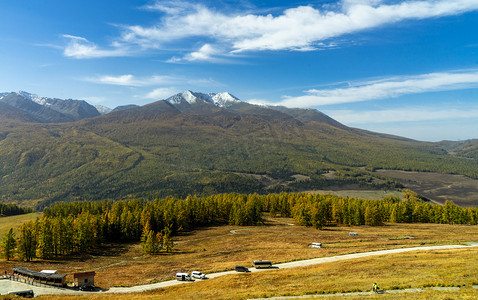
(198, 275)
(316, 245)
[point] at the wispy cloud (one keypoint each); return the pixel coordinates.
(386, 88)
(131, 80)
(80, 48)
(406, 114)
(303, 28)
(162, 93)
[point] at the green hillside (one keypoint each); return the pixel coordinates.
(157, 150)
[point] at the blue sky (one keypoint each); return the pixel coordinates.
(408, 68)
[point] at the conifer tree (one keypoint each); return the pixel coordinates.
(27, 242)
(167, 241)
(45, 239)
(9, 244)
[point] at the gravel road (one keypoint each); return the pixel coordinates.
(7, 285)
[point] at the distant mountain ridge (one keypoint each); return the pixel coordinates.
(195, 144)
(48, 110)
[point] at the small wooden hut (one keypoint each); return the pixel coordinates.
(84, 279)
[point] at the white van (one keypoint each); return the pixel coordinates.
(183, 277)
(316, 245)
(198, 275)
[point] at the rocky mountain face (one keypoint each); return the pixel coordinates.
(47, 110)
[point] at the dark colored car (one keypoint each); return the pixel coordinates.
(24, 294)
(241, 269)
(87, 288)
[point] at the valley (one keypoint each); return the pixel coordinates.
(463, 191)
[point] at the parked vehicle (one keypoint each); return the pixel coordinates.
(198, 275)
(258, 264)
(87, 288)
(316, 245)
(183, 277)
(24, 294)
(241, 269)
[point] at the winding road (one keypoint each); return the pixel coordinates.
(7, 285)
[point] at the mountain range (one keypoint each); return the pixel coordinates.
(195, 143)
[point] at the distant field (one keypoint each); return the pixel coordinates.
(462, 190)
(357, 193)
(14, 221)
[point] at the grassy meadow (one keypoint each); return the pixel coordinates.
(14, 221)
(447, 268)
(214, 249)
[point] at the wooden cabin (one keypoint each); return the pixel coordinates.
(84, 279)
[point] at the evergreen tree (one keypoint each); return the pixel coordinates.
(167, 241)
(9, 244)
(45, 239)
(27, 242)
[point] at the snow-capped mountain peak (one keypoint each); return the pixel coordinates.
(224, 99)
(189, 96)
(219, 99)
(35, 98)
(103, 109)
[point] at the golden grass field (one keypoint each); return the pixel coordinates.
(220, 248)
(398, 271)
(14, 221)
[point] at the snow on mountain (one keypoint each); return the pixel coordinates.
(220, 99)
(224, 99)
(35, 98)
(103, 109)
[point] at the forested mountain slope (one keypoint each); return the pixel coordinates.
(200, 144)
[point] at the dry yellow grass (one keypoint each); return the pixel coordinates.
(398, 271)
(220, 248)
(14, 221)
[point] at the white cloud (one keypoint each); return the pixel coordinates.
(303, 28)
(296, 28)
(171, 7)
(407, 114)
(131, 80)
(79, 47)
(386, 88)
(205, 53)
(162, 93)
(117, 80)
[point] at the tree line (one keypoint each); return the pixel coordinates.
(78, 227)
(326, 210)
(13, 210)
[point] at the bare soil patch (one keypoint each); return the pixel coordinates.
(437, 187)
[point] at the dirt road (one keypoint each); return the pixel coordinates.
(294, 264)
